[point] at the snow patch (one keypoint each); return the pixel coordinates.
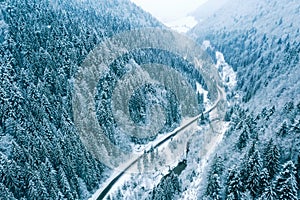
(6, 144)
(206, 45)
(226, 72)
(183, 25)
(200, 90)
(192, 188)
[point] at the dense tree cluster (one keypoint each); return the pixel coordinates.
(259, 169)
(139, 103)
(42, 45)
(168, 187)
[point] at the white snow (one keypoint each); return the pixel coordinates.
(226, 72)
(206, 45)
(182, 25)
(192, 190)
(204, 92)
(170, 156)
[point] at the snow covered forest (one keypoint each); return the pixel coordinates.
(259, 155)
(42, 44)
(250, 152)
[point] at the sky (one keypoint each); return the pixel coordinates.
(169, 10)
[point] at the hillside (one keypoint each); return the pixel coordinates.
(259, 156)
(70, 124)
(42, 45)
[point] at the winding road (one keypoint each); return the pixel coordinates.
(101, 194)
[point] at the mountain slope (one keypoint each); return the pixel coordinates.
(259, 155)
(42, 46)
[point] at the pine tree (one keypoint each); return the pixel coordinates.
(5, 193)
(48, 176)
(145, 161)
(253, 168)
(234, 185)
(152, 156)
(298, 171)
(139, 165)
(264, 180)
(10, 177)
(269, 193)
(213, 180)
(242, 141)
(271, 159)
(37, 189)
(216, 187)
(64, 184)
(32, 192)
(296, 127)
(286, 185)
(283, 130)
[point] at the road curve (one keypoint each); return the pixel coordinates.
(107, 188)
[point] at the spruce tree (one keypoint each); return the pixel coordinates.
(283, 130)
(298, 171)
(5, 193)
(271, 161)
(216, 187)
(264, 180)
(213, 180)
(286, 185)
(253, 168)
(269, 193)
(242, 141)
(234, 185)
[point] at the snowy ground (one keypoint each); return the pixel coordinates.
(211, 136)
(198, 161)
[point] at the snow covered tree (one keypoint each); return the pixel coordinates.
(139, 165)
(298, 171)
(234, 187)
(283, 130)
(286, 184)
(37, 190)
(253, 180)
(264, 179)
(152, 155)
(4, 192)
(296, 128)
(145, 161)
(243, 138)
(269, 193)
(167, 188)
(213, 179)
(271, 159)
(64, 184)
(215, 187)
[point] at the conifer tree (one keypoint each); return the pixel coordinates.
(269, 193)
(286, 185)
(271, 160)
(213, 179)
(264, 180)
(283, 130)
(242, 141)
(216, 187)
(253, 168)
(234, 185)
